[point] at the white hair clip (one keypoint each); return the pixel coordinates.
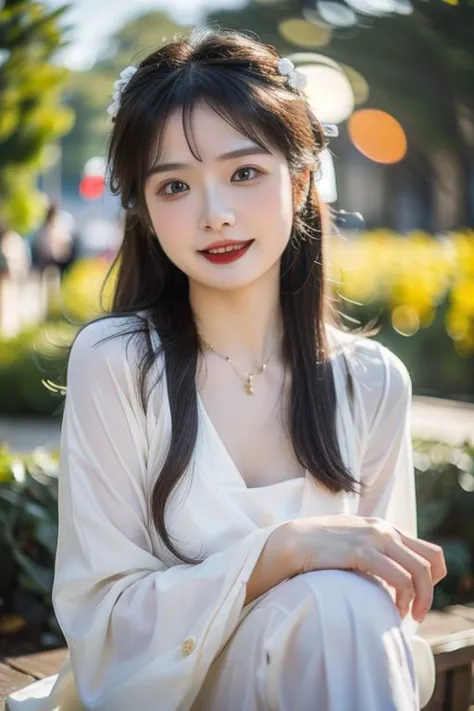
(330, 130)
(119, 86)
(296, 79)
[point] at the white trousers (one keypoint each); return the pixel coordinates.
(328, 640)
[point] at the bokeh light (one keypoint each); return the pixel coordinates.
(326, 180)
(359, 85)
(95, 166)
(403, 7)
(405, 320)
(302, 33)
(377, 135)
(336, 14)
(372, 7)
(92, 187)
(328, 90)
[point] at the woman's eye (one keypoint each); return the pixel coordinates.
(174, 187)
(247, 173)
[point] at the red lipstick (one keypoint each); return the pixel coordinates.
(239, 249)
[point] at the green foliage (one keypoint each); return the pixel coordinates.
(445, 498)
(30, 364)
(32, 116)
(435, 367)
(28, 540)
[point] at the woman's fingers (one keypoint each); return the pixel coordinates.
(395, 575)
(419, 569)
(431, 552)
(419, 565)
(371, 545)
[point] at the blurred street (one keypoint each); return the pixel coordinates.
(432, 418)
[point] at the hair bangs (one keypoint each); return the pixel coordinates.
(245, 107)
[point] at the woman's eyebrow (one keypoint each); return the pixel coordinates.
(239, 152)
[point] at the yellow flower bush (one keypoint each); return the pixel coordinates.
(81, 289)
(409, 276)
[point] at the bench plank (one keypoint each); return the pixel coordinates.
(464, 611)
(40, 664)
(10, 681)
(446, 632)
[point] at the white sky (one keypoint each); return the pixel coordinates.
(95, 20)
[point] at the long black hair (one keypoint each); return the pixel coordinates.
(237, 76)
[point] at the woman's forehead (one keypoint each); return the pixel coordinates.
(199, 131)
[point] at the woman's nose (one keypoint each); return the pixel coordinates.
(216, 212)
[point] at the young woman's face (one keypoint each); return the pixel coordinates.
(223, 198)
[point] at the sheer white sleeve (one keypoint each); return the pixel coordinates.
(387, 457)
(384, 388)
(140, 634)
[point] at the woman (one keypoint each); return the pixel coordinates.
(237, 511)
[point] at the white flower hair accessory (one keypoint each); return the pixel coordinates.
(296, 79)
(119, 86)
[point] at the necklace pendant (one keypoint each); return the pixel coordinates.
(249, 385)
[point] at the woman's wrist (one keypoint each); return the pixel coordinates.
(287, 540)
(277, 562)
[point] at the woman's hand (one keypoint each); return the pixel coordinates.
(371, 545)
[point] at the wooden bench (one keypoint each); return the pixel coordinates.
(450, 634)
(17, 672)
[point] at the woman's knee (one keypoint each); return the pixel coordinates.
(335, 622)
(356, 594)
(338, 602)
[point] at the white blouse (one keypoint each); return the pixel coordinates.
(140, 625)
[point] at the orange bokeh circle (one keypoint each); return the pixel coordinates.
(377, 135)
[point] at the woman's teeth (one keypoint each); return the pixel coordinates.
(221, 250)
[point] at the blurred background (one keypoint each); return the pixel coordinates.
(397, 79)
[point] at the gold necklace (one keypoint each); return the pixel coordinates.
(248, 376)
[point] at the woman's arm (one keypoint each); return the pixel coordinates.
(139, 633)
(383, 388)
(277, 562)
(369, 542)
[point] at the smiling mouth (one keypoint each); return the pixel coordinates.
(228, 254)
(226, 249)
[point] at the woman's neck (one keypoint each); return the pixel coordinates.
(245, 325)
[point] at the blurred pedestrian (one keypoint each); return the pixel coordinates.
(54, 243)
